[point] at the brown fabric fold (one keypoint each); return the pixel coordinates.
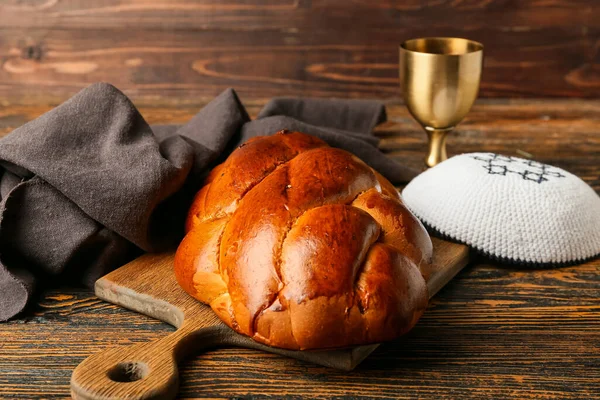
(89, 185)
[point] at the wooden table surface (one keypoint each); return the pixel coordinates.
(494, 332)
(533, 48)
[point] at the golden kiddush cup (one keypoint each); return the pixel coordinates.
(440, 80)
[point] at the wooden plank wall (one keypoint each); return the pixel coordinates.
(183, 49)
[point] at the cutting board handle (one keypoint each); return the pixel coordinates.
(146, 370)
(149, 370)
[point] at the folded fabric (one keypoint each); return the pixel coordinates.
(89, 185)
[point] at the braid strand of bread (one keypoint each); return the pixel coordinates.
(303, 246)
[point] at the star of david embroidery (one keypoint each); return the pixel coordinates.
(529, 170)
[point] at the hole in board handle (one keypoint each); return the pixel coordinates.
(128, 371)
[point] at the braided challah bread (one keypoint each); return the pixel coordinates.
(303, 246)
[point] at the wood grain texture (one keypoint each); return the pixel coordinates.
(151, 48)
(493, 332)
(149, 370)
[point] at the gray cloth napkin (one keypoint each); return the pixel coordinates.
(89, 185)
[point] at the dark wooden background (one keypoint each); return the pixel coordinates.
(347, 48)
(493, 332)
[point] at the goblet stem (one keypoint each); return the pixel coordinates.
(437, 145)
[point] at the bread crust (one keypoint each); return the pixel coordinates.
(303, 246)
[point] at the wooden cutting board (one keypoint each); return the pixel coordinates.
(149, 370)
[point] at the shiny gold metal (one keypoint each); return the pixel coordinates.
(440, 80)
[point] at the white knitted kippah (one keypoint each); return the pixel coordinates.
(509, 208)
